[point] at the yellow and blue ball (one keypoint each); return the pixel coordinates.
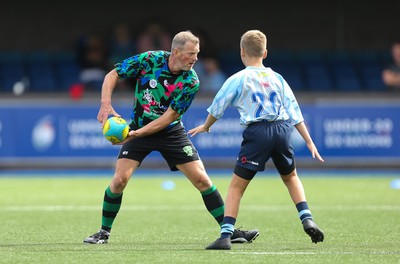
(115, 129)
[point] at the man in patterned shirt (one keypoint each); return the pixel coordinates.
(269, 110)
(166, 85)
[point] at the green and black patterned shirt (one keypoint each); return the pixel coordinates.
(156, 87)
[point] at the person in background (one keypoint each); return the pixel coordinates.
(207, 67)
(213, 77)
(166, 87)
(391, 74)
(155, 36)
(269, 111)
(93, 60)
(122, 45)
(121, 42)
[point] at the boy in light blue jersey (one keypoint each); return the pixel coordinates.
(269, 111)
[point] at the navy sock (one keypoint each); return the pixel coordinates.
(227, 227)
(304, 212)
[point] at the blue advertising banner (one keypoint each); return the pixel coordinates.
(359, 130)
(52, 131)
(62, 131)
(338, 130)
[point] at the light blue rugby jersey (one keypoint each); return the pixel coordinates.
(258, 94)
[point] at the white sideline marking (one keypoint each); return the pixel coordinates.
(275, 253)
(314, 253)
(51, 208)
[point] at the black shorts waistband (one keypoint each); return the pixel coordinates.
(268, 122)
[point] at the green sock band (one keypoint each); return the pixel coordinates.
(112, 195)
(209, 190)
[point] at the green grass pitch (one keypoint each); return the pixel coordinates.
(45, 219)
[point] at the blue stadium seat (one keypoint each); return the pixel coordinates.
(66, 69)
(12, 69)
(348, 84)
(367, 57)
(230, 62)
(346, 77)
(318, 77)
(339, 57)
(277, 59)
(372, 77)
(370, 64)
(284, 62)
(310, 58)
(40, 72)
(293, 76)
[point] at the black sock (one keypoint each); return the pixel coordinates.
(214, 203)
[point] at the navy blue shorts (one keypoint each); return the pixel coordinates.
(265, 140)
(173, 144)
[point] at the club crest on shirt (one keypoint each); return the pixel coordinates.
(153, 83)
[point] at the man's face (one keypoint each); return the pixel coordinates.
(187, 57)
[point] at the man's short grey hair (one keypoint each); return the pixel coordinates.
(178, 42)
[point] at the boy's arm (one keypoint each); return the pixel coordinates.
(301, 127)
(204, 127)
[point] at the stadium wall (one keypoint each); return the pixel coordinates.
(43, 133)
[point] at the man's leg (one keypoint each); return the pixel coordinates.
(112, 200)
(197, 175)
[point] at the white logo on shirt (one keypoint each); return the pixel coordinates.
(153, 83)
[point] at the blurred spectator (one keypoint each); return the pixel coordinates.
(211, 76)
(207, 67)
(391, 74)
(122, 44)
(154, 36)
(93, 59)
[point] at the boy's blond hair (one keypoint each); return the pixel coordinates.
(254, 42)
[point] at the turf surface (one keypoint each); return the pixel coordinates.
(45, 219)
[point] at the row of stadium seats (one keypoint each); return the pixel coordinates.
(323, 71)
(42, 71)
(304, 71)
